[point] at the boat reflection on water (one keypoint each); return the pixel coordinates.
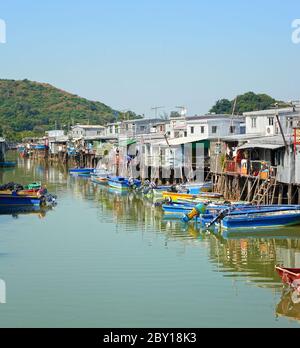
(15, 212)
(285, 233)
(289, 305)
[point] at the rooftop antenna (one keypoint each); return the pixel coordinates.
(156, 108)
(183, 111)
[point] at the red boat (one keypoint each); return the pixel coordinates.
(290, 276)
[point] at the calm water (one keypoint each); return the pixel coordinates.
(100, 259)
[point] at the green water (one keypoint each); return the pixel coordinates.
(100, 259)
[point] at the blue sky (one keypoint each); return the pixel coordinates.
(136, 54)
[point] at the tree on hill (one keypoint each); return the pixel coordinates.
(245, 103)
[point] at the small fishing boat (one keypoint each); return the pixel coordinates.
(289, 275)
(81, 171)
(198, 188)
(259, 218)
(174, 196)
(16, 199)
(8, 164)
(121, 183)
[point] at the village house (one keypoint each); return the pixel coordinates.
(266, 155)
(81, 131)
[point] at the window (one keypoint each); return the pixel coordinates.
(161, 128)
(253, 122)
(214, 129)
(185, 134)
(232, 129)
(202, 129)
(99, 132)
(142, 128)
(271, 121)
(127, 126)
(116, 129)
(192, 130)
(110, 129)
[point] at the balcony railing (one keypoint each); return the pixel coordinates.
(251, 168)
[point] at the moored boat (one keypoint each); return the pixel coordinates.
(18, 200)
(121, 183)
(258, 218)
(81, 171)
(202, 196)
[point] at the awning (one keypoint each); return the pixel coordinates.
(260, 146)
(127, 142)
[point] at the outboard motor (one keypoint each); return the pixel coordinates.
(197, 211)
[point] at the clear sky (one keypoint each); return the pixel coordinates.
(136, 54)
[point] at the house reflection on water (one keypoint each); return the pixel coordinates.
(249, 257)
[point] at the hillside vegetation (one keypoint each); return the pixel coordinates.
(30, 108)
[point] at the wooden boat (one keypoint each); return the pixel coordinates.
(288, 275)
(121, 183)
(8, 164)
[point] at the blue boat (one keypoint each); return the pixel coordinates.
(121, 183)
(81, 171)
(8, 164)
(258, 219)
(9, 200)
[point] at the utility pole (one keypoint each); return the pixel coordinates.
(280, 128)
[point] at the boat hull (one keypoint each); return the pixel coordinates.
(19, 200)
(81, 171)
(261, 220)
(204, 196)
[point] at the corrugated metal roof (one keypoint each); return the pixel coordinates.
(260, 146)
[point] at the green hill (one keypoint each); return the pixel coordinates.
(245, 103)
(30, 108)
